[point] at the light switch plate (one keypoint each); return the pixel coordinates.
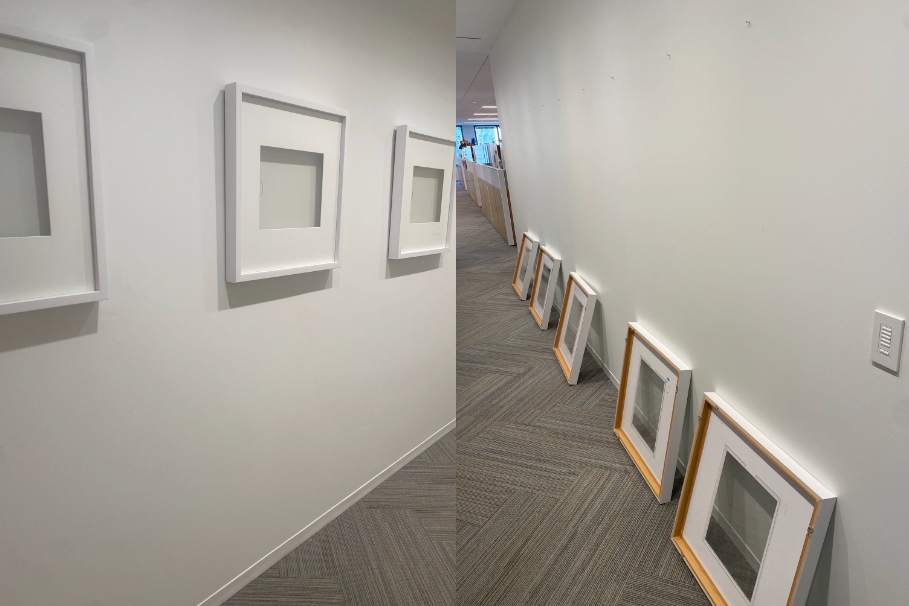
(887, 340)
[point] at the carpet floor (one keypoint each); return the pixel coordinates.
(551, 509)
(394, 547)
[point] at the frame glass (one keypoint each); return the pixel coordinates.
(574, 326)
(653, 397)
(751, 521)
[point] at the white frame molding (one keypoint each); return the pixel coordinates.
(542, 318)
(521, 284)
(233, 149)
(821, 500)
(401, 175)
(571, 366)
(93, 158)
(661, 484)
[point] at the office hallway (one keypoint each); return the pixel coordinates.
(551, 509)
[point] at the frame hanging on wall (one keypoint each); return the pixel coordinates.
(653, 397)
(523, 270)
(51, 227)
(422, 198)
(751, 521)
(544, 286)
(285, 170)
(574, 326)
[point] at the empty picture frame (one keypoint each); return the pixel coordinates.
(574, 326)
(422, 197)
(653, 397)
(544, 286)
(51, 228)
(523, 270)
(285, 169)
(751, 521)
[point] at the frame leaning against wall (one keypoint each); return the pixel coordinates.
(669, 439)
(93, 162)
(528, 252)
(543, 300)
(821, 500)
(570, 360)
(234, 179)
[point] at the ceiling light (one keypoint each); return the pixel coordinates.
(486, 113)
(489, 107)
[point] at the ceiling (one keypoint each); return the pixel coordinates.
(478, 24)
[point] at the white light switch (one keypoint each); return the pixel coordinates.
(887, 340)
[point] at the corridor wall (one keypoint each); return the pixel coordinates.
(733, 176)
(156, 445)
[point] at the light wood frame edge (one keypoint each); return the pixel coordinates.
(517, 267)
(566, 368)
(541, 250)
(656, 484)
(708, 407)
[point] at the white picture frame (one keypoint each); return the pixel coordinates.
(257, 122)
(43, 288)
(524, 268)
(544, 286)
(650, 426)
(422, 194)
(751, 521)
(574, 326)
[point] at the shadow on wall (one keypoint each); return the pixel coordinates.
(395, 268)
(31, 328)
(819, 594)
(256, 291)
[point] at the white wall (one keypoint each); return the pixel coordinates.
(155, 445)
(746, 198)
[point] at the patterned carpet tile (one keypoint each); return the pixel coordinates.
(394, 547)
(551, 509)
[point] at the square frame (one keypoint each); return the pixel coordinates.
(401, 188)
(555, 263)
(521, 284)
(233, 143)
(93, 163)
(822, 501)
(571, 366)
(660, 484)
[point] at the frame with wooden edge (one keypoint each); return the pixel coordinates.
(797, 530)
(523, 269)
(254, 252)
(420, 154)
(577, 292)
(85, 52)
(541, 302)
(646, 358)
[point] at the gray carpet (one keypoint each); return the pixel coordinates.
(394, 547)
(551, 510)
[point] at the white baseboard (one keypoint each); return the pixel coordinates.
(602, 364)
(272, 558)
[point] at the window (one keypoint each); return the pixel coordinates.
(462, 153)
(487, 134)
